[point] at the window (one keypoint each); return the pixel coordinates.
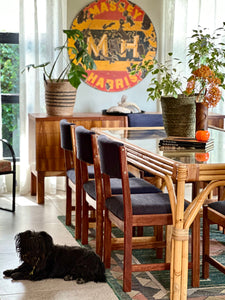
(9, 65)
(9, 73)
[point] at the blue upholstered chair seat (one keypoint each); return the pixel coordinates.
(91, 172)
(71, 174)
(142, 204)
(218, 206)
(137, 185)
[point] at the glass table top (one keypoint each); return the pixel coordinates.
(148, 139)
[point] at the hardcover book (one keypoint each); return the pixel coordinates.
(185, 142)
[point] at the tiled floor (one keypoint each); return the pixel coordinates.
(31, 216)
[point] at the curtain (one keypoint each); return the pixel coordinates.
(41, 31)
(2, 178)
(188, 15)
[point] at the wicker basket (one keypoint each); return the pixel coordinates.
(60, 98)
(179, 115)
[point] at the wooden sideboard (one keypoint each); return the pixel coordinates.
(46, 157)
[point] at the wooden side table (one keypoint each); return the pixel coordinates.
(45, 154)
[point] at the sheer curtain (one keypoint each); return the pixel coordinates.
(188, 14)
(2, 178)
(41, 31)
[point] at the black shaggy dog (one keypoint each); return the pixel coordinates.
(42, 259)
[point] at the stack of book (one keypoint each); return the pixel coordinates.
(185, 143)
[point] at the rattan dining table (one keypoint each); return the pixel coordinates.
(177, 168)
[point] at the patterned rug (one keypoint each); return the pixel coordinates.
(155, 285)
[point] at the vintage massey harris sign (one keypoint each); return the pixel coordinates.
(118, 34)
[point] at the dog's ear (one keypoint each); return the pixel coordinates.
(47, 238)
(26, 234)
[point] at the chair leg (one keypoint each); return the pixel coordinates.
(14, 193)
(68, 203)
(159, 237)
(84, 234)
(127, 264)
(78, 212)
(99, 232)
(107, 240)
(206, 240)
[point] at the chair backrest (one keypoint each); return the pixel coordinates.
(113, 161)
(66, 143)
(84, 144)
(109, 152)
(145, 120)
(65, 135)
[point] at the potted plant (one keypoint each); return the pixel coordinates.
(206, 62)
(60, 91)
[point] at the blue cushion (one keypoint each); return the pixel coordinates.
(65, 135)
(137, 185)
(71, 174)
(145, 120)
(142, 204)
(84, 145)
(218, 206)
(91, 172)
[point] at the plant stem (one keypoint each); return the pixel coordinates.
(50, 74)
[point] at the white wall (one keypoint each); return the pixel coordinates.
(92, 100)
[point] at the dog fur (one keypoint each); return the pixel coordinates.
(42, 259)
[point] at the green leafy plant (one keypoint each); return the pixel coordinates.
(165, 80)
(9, 66)
(76, 67)
(206, 62)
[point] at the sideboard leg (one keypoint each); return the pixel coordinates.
(33, 187)
(40, 188)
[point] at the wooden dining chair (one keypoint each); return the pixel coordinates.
(128, 210)
(146, 120)
(67, 146)
(87, 154)
(213, 213)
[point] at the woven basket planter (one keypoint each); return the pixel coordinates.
(179, 115)
(60, 98)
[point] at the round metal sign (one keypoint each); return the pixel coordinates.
(118, 34)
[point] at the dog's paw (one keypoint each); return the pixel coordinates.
(8, 273)
(68, 277)
(80, 281)
(19, 276)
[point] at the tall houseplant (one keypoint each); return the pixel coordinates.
(206, 62)
(206, 54)
(60, 90)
